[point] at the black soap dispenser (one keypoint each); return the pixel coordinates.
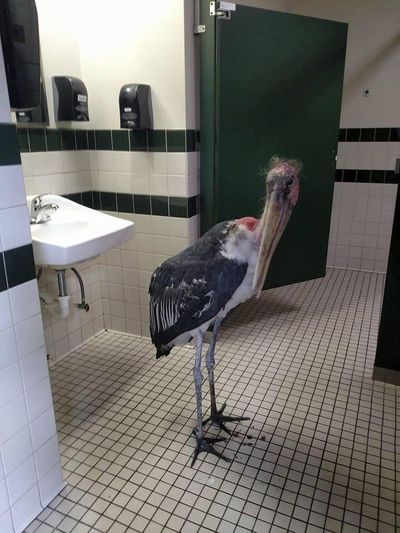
(70, 99)
(135, 106)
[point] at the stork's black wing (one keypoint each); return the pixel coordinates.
(191, 288)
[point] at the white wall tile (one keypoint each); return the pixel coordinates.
(43, 428)
(50, 485)
(39, 398)
(14, 227)
(6, 523)
(10, 384)
(9, 351)
(140, 163)
(26, 508)
(4, 501)
(12, 190)
(30, 335)
(157, 163)
(16, 450)
(47, 457)
(24, 300)
(21, 480)
(13, 417)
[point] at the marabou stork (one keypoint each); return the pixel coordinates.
(225, 267)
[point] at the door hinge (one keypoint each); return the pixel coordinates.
(222, 9)
(200, 28)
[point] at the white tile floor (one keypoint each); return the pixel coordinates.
(319, 453)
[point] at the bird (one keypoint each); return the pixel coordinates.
(199, 286)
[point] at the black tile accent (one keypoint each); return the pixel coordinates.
(37, 140)
(367, 134)
(198, 136)
(382, 134)
(353, 134)
(125, 203)
(342, 135)
(3, 280)
(142, 204)
(53, 140)
(363, 176)
(23, 141)
(108, 201)
(178, 207)
(96, 200)
(190, 140)
(156, 140)
(176, 141)
(81, 140)
(138, 140)
(9, 149)
(120, 140)
(103, 139)
(91, 140)
(394, 134)
(192, 206)
(391, 177)
(68, 140)
(349, 175)
(338, 174)
(159, 205)
(75, 197)
(87, 199)
(20, 266)
(377, 176)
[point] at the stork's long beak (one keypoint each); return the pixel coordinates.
(277, 210)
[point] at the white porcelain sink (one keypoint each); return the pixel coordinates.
(75, 233)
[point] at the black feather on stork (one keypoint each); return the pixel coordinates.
(201, 284)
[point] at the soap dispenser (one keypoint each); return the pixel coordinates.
(70, 99)
(135, 106)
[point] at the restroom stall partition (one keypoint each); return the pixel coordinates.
(271, 84)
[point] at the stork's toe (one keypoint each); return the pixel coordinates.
(204, 444)
(218, 419)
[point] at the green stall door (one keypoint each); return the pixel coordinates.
(271, 84)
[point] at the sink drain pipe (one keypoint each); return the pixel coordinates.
(59, 306)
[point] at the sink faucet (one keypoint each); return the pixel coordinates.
(40, 212)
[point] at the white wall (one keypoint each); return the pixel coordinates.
(372, 59)
(107, 46)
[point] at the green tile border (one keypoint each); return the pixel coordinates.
(51, 139)
(141, 204)
(9, 149)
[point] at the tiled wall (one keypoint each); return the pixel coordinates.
(30, 471)
(149, 179)
(364, 198)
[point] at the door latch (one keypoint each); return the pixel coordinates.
(222, 9)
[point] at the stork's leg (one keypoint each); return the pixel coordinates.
(217, 417)
(203, 444)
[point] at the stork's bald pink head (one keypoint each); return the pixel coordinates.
(282, 185)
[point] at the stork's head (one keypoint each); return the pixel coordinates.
(282, 191)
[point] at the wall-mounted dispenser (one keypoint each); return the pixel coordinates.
(70, 99)
(135, 106)
(19, 32)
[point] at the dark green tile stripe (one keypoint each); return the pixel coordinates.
(50, 139)
(142, 204)
(16, 266)
(366, 176)
(9, 149)
(369, 134)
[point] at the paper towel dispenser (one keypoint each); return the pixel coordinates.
(19, 32)
(70, 99)
(135, 106)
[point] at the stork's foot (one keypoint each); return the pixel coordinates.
(218, 419)
(204, 444)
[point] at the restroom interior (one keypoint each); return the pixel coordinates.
(308, 482)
